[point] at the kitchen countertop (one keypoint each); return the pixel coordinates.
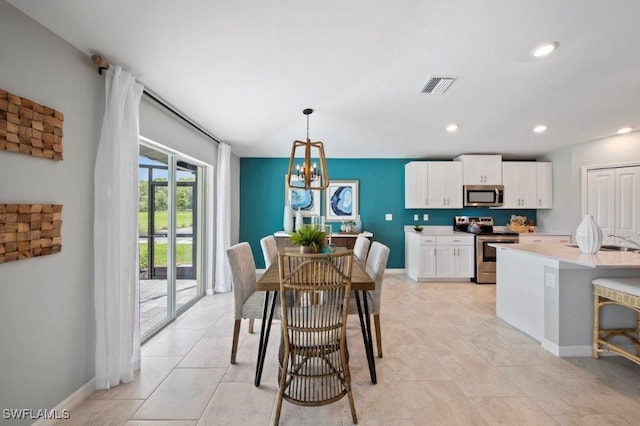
(434, 230)
(565, 253)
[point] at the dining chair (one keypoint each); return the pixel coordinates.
(248, 303)
(361, 249)
(269, 250)
(314, 295)
(375, 267)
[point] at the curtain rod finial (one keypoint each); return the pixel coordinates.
(100, 62)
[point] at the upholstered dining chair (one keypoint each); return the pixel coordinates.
(269, 250)
(248, 303)
(314, 295)
(375, 267)
(361, 249)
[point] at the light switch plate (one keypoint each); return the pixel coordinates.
(388, 217)
(550, 280)
(425, 216)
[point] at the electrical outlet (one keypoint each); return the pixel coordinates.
(388, 217)
(550, 280)
(415, 217)
(425, 217)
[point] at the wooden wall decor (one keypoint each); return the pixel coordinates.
(29, 230)
(30, 128)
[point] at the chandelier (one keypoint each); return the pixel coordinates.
(312, 173)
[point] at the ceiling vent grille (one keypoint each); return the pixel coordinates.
(438, 84)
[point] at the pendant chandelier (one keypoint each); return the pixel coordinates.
(312, 172)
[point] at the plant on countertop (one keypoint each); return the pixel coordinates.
(418, 228)
(309, 236)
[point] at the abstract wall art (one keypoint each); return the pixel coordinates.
(307, 200)
(341, 201)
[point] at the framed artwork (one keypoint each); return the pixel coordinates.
(306, 199)
(341, 201)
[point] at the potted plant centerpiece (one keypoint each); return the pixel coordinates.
(309, 238)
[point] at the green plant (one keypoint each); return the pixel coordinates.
(418, 228)
(310, 236)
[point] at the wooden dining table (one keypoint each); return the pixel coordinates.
(361, 282)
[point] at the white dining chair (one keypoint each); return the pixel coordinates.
(375, 267)
(269, 250)
(361, 249)
(248, 303)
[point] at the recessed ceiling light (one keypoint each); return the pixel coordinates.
(544, 49)
(540, 128)
(623, 130)
(452, 127)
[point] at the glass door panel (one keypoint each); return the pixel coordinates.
(153, 241)
(186, 232)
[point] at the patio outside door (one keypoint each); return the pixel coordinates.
(170, 231)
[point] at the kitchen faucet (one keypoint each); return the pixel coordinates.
(626, 238)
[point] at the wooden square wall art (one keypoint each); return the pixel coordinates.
(29, 230)
(30, 128)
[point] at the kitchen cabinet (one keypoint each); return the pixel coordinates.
(454, 257)
(433, 184)
(439, 257)
(544, 239)
(527, 184)
(481, 169)
(613, 199)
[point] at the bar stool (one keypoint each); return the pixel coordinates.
(616, 291)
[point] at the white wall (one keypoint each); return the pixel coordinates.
(46, 303)
(567, 166)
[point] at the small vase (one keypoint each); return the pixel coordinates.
(299, 220)
(287, 222)
(589, 235)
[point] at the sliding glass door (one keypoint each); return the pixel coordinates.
(170, 234)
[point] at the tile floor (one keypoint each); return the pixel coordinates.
(447, 361)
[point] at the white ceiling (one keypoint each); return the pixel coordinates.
(245, 69)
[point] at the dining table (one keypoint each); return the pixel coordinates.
(361, 282)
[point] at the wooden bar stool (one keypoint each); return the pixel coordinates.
(616, 291)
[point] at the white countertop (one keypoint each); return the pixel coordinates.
(564, 253)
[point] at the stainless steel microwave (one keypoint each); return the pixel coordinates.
(483, 195)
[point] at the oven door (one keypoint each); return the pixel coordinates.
(486, 256)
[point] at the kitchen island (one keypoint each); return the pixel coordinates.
(545, 291)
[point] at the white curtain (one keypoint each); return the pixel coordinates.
(223, 219)
(115, 233)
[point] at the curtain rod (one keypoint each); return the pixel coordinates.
(104, 65)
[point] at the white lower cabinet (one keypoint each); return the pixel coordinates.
(544, 239)
(434, 257)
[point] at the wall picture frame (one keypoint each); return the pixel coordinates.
(341, 200)
(307, 200)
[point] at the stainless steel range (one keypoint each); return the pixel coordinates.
(482, 226)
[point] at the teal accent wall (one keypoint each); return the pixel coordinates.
(381, 191)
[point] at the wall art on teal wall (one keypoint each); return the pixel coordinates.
(341, 200)
(307, 200)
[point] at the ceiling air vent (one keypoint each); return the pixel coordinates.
(438, 84)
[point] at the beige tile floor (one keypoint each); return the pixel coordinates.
(447, 361)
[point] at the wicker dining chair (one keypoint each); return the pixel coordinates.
(248, 303)
(269, 250)
(375, 267)
(361, 249)
(314, 295)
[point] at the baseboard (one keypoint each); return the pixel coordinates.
(579, 350)
(395, 271)
(69, 403)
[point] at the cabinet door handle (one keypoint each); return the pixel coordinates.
(539, 202)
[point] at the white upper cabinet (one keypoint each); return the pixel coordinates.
(527, 185)
(481, 169)
(544, 185)
(433, 184)
(415, 185)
